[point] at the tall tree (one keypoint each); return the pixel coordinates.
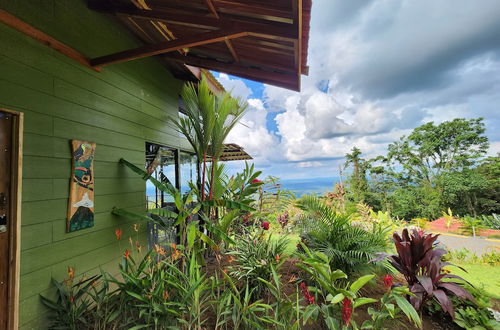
(431, 149)
(357, 181)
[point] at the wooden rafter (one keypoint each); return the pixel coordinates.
(44, 38)
(271, 77)
(230, 46)
(166, 47)
(211, 7)
(276, 31)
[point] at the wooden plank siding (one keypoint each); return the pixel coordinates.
(119, 108)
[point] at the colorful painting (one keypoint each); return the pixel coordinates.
(81, 194)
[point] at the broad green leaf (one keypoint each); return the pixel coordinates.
(191, 234)
(409, 311)
(363, 301)
(338, 298)
(360, 282)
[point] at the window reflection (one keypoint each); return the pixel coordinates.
(188, 170)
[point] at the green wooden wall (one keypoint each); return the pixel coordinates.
(120, 109)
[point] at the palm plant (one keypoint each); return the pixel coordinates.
(208, 121)
(349, 248)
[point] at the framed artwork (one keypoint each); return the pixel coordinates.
(81, 193)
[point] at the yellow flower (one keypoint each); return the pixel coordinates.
(136, 227)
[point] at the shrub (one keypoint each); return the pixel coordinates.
(420, 263)
(255, 256)
(337, 298)
(491, 221)
(349, 248)
(470, 225)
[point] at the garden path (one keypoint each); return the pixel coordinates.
(478, 245)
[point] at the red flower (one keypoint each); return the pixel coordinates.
(265, 225)
(346, 310)
(388, 281)
(254, 181)
(307, 294)
(126, 254)
(118, 233)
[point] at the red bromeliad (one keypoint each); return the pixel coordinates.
(346, 310)
(126, 254)
(254, 181)
(307, 294)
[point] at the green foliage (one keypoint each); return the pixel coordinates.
(256, 258)
(475, 318)
(207, 122)
(471, 225)
(435, 168)
(392, 305)
(72, 303)
(348, 247)
(492, 221)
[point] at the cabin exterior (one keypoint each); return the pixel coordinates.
(57, 85)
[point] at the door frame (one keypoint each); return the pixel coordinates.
(15, 224)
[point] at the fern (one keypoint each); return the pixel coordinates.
(350, 248)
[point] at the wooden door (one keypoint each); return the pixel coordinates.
(6, 152)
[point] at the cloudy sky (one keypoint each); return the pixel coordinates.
(378, 69)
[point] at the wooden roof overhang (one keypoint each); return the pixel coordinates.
(261, 40)
(232, 151)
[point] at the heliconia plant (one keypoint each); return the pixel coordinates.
(420, 263)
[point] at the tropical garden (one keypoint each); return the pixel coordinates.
(248, 254)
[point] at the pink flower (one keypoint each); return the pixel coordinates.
(265, 225)
(388, 281)
(254, 181)
(346, 310)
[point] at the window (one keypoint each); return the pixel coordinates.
(175, 167)
(188, 170)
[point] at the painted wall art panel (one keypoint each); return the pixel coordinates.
(81, 194)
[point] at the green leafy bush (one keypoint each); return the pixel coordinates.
(256, 256)
(349, 248)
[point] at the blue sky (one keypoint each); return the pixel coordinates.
(378, 69)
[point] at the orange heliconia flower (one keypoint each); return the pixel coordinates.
(176, 254)
(159, 250)
(118, 233)
(71, 273)
(293, 278)
(126, 254)
(278, 258)
(166, 295)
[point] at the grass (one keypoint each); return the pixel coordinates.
(481, 275)
(292, 245)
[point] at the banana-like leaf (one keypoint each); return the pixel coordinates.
(164, 213)
(358, 284)
(191, 234)
(232, 205)
(165, 187)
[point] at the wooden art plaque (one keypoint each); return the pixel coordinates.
(81, 194)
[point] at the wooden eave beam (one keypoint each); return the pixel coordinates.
(166, 47)
(266, 29)
(32, 32)
(275, 78)
(297, 24)
(211, 7)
